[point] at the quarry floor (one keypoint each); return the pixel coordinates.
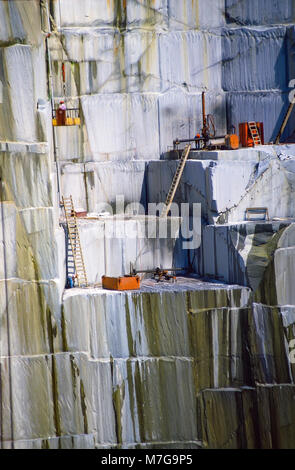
(181, 284)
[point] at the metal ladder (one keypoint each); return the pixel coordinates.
(254, 133)
(75, 255)
(176, 180)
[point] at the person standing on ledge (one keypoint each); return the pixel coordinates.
(61, 114)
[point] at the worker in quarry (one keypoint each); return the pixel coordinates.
(61, 114)
(70, 282)
(197, 136)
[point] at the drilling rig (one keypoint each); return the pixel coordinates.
(208, 140)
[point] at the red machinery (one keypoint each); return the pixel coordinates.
(245, 134)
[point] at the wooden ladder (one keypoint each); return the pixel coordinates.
(176, 180)
(285, 122)
(75, 255)
(254, 133)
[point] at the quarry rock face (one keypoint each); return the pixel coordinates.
(204, 362)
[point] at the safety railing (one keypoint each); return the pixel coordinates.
(66, 117)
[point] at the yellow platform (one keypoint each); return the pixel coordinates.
(69, 122)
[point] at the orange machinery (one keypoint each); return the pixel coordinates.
(232, 141)
(245, 134)
(121, 283)
(208, 140)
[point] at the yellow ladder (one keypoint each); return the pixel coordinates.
(75, 244)
(254, 133)
(176, 180)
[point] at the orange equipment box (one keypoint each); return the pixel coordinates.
(121, 283)
(245, 134)
(232, 141)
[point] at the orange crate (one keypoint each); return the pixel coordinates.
(121, 283)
